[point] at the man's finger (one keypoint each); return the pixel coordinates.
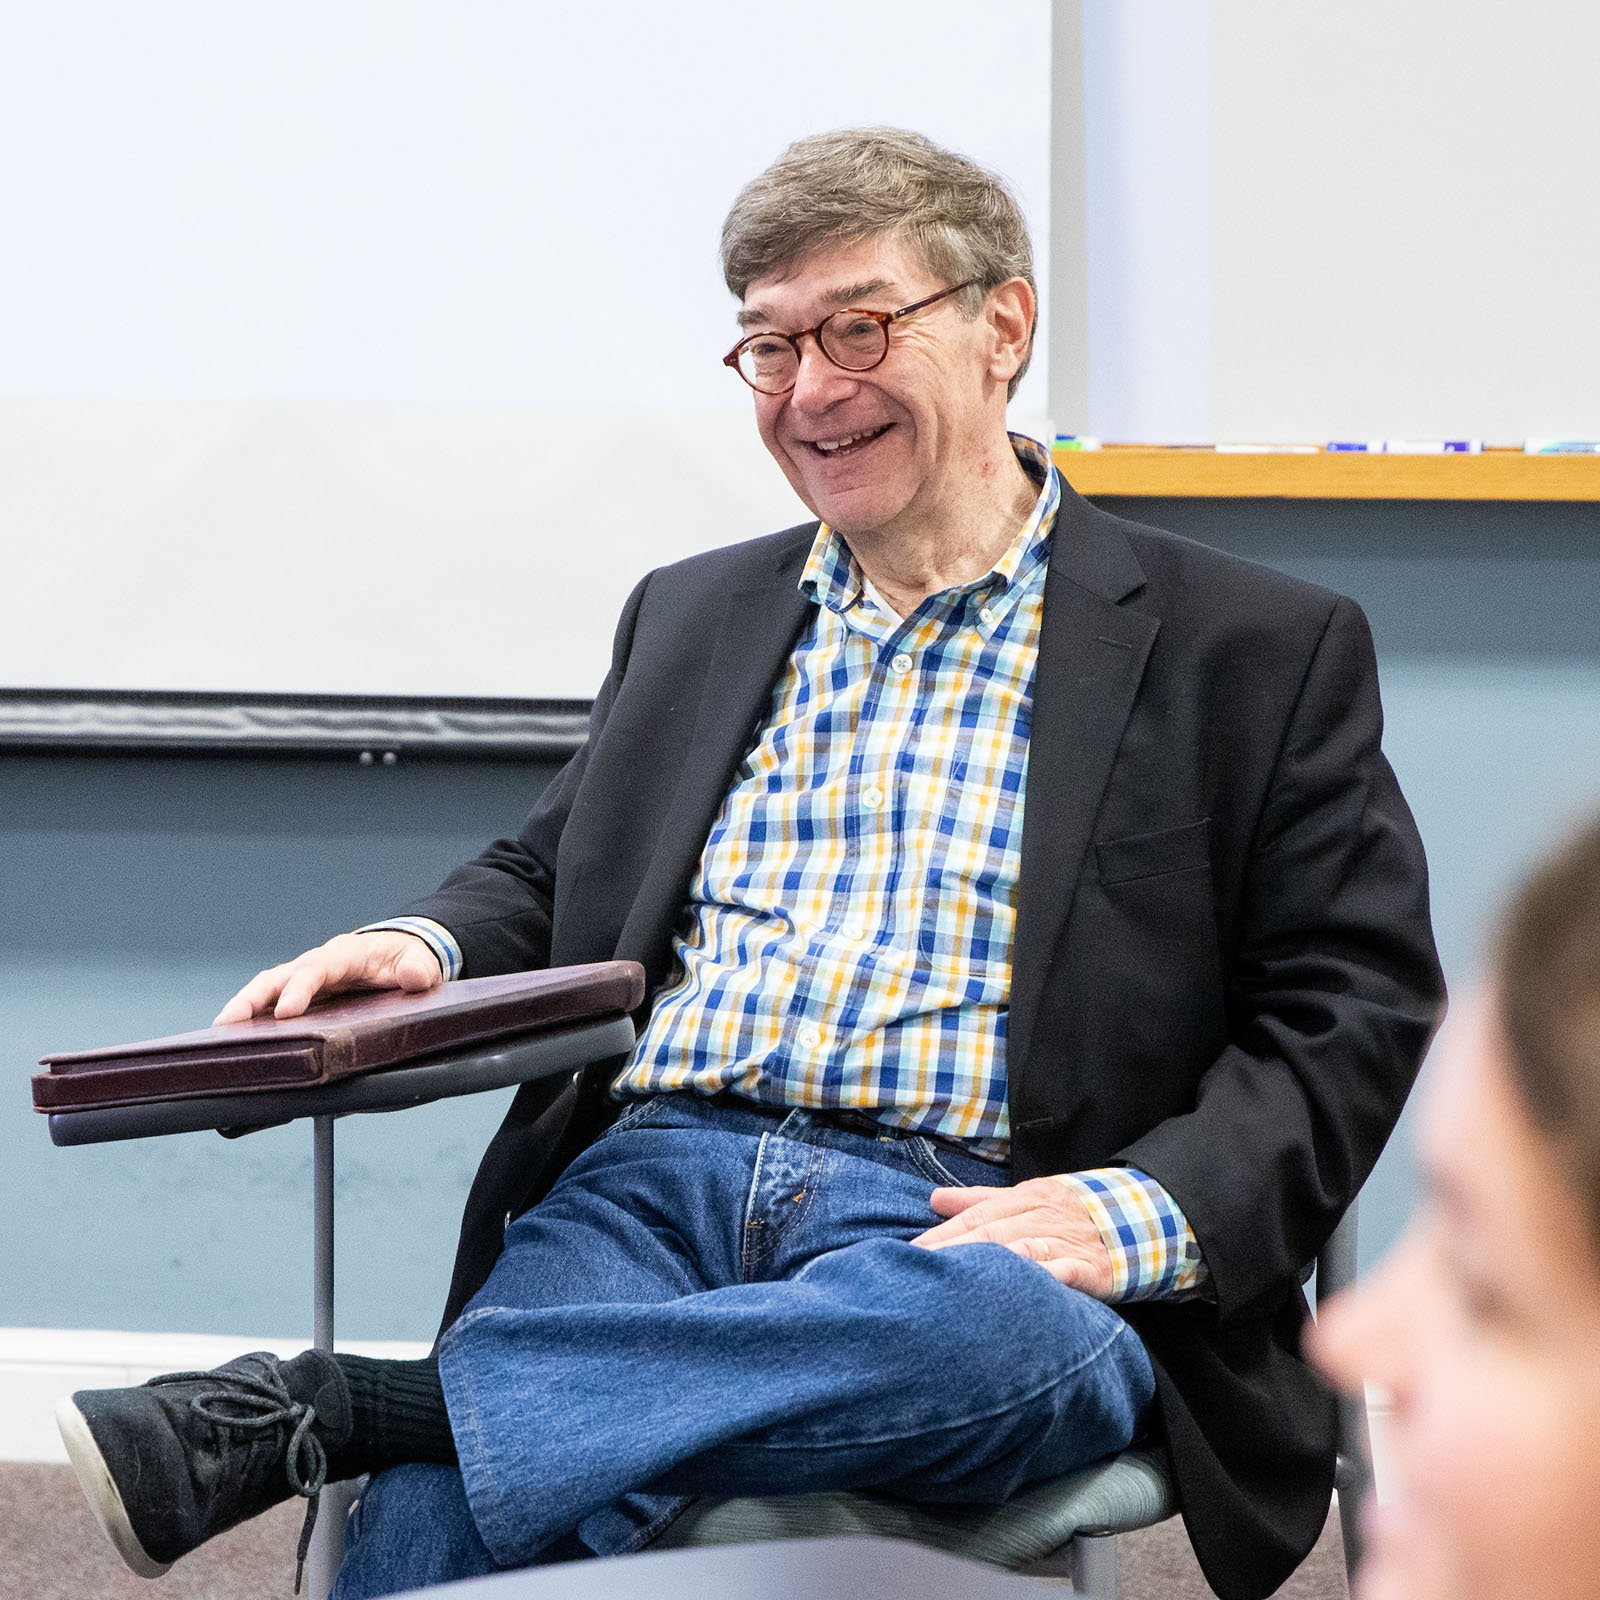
(985, 1205)
(995, 1222)
(308, 980)
(1071, 1270)
(1065, 1264)
(387, 959)
(345, 962)
(256, 995)
(952, 1201)
(1077, 1266)
(417, 969)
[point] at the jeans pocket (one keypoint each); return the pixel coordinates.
(924, 1155)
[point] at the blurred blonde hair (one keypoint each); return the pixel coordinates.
(1549, 1005)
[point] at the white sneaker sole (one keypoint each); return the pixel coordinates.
(100, 1490)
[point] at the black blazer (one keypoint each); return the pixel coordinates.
(1223, 970)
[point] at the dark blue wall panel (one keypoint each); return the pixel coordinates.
(135, 896)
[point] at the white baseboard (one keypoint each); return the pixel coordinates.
(40, 1365)
(1380, 1415)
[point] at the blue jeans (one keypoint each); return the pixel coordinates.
(716, 1300)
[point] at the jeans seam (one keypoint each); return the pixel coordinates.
(629, 1117)
(655, 1528)
(472, 1423)
(813, 1186)
(772, 1236)
(748, 1255)
(466, 1320)
(928, 1164)
(950, 1424)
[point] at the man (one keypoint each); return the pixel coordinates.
(991, 860)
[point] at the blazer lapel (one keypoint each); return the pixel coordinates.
(759, 628)
(1092, 655)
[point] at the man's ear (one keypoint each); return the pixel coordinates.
(1010, 313)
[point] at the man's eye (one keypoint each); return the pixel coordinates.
(767, 349)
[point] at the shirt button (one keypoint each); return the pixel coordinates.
(810, 1038)
(872, 798)
(901, 663)
(985, 616)
(854, 932)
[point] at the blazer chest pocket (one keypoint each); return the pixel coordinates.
(1154, 855)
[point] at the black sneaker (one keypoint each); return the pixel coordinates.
(172, 1463)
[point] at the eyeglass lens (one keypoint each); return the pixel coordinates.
(848, 339)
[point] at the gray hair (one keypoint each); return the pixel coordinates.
(858, 184)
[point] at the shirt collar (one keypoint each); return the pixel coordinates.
(832, 578)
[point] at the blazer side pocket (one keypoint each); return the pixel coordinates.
(1152, 855)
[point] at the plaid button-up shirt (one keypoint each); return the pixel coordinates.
(847, 939)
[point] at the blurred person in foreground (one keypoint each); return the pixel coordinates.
(1483, 1323)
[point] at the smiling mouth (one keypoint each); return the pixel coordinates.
(846, 444)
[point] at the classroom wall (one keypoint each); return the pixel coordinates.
(136, 894)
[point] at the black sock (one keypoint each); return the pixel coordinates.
(397, 1414)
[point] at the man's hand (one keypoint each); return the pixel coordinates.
(387, 959)
(1043, 1219)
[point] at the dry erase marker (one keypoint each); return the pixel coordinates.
(1356, 447)
(1433, 447)
(1076, 441)
(1561, 447)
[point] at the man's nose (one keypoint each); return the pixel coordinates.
(818, 383)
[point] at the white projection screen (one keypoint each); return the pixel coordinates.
(364, 348)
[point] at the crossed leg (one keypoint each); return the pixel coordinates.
(701, 1307)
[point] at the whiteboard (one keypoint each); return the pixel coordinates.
(1405, 219)
(1369, 220)
(352, 347)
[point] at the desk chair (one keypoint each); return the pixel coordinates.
(500, 1065)
(1065, 1527)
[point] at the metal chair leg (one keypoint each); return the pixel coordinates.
(327, 1538)
(1352, 1477)
(1095, 1572)
(1336, 1270)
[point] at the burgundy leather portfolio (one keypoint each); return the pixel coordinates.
(336, 1037)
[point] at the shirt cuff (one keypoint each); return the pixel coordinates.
(1154, 1253)
(435, 935)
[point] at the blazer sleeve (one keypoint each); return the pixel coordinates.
(1334, 991)
(500, 906)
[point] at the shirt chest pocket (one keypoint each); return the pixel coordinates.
(1155, 855)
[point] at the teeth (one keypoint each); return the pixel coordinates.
(839, 444)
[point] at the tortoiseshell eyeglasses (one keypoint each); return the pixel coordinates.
(853, 339)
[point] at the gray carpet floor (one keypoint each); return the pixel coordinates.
(50, 1549)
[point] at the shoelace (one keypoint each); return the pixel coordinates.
(257, 1404)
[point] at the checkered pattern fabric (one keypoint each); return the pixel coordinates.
(848, 934)
(850, 925)
(1154, 1254)
(438, 939)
